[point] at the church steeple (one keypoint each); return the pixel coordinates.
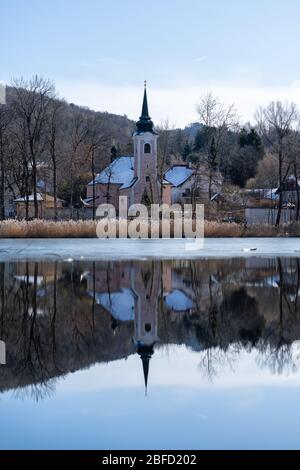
(145, 352)
(145, 124)
(145, 112)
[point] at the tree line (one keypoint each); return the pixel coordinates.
(47, 144)
(46, 141)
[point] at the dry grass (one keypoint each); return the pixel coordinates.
(87, 229)
(48, 229)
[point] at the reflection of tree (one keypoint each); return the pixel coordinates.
(37, 391)
(216, 361)
(278, 359)
(52, 326)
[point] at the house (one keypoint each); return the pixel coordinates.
(180, 180)
(135, 176)
(45, 201)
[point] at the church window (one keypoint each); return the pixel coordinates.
(147, 148)
(148, 327)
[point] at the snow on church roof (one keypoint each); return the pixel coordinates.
(120, 171)
(119, 304)
(178, 174)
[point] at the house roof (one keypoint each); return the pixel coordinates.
(40, 197)
(119, 304)
(178, 174)
(30, 198)
(178, 301)
(120, 171)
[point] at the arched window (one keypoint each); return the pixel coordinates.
(147, 148)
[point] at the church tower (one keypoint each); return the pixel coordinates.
(145, 189)
(146, 285)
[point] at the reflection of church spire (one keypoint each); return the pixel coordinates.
(145, 353)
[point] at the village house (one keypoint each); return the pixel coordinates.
(45, 202)
(261, 205)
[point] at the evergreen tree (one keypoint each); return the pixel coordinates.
(186, 152)
(213, 155)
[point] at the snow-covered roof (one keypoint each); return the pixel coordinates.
(120, 171)
(119, 304)
(30, 198)
(178, 174)
(30, 279)
(178, 301)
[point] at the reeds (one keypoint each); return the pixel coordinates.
(87, 229)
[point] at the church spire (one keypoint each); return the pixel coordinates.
(145, 112)
(145, 352)
(145, 124)
(145, 361)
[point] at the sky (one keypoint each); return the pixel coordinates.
(105, 407)
(99, 52)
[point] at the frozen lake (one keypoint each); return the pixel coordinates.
(95, 249)
(168, 354)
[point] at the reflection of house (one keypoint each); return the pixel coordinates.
(39, 273)
(131, 292)
(45, 201)
(124, 292)
(178, 301)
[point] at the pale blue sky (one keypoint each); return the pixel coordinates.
(100, 51)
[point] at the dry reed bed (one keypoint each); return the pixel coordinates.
(87, 229)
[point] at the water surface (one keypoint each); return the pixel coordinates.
(186, 354)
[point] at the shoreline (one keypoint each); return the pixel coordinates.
(68, 250)
(74, 229)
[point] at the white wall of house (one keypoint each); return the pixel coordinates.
(202, 185)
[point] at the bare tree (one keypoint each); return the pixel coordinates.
(78, 138)
(275, 123)
(218, 119)
(30, 102)
(55, 117)
(97, 140)
(4, 123)
(164, 150)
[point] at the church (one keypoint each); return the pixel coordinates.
(136, 176)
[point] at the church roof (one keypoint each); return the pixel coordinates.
(119, 304)
(120, 171)
(178, 174)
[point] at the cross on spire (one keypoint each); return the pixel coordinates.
(145, 124)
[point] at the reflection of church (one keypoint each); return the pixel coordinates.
(132, 292)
